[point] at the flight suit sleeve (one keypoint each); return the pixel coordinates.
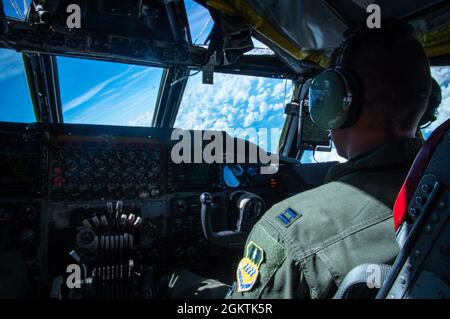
(277, 276)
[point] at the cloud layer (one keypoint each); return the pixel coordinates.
(235, 102)
(442, 76)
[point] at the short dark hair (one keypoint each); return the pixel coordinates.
(394, 71)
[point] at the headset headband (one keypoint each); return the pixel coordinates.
(349, 34)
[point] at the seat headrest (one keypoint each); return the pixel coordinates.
(416, 172)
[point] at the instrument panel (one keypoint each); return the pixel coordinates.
(111, 200)
(86, 168)
(120, 184)
(23, 160)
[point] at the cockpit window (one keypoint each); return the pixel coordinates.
(94, 92)
(16, 8)
(15, 99)
(200, 21)
(246, 107)
(442, 76)
(201, 24)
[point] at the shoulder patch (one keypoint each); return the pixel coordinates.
(288, 216)
(248, 268)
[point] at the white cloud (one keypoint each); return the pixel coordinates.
(323, 157)
(329, 156)
(442, 76)
(279, 90)
(250, 119)
(233, 101)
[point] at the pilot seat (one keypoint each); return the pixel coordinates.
(421, 220)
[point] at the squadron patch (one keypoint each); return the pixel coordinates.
(248, 268)
(288, 216)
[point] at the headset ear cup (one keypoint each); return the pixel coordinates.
(331, 99)
(433, 103)
(356, 91)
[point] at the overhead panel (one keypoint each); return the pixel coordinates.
(302, 35)
(309, 30)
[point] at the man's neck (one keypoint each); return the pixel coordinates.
(359, 144)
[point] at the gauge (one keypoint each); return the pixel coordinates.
(230, 178)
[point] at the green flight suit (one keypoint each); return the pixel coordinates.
(309, 242)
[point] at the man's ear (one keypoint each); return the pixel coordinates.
(434, 101)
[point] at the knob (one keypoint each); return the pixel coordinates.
(4, 214)
(155, 168)
(143, 194)
(27, 214)
(180, 206)
(137, 222)
(95, 221)
(123, 219)
(87, 239)
(131, 218)
(58, 181)
(206, 198)
(155, 192)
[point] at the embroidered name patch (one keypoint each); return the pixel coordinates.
(248, 268)
(288, 216)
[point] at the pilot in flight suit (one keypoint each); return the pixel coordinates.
(310, 241)
(305, 245)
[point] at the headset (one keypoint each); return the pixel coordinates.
(435, 100)
(335, 95)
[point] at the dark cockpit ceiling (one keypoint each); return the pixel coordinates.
(400, 8)
(158, 20)
(318, 26)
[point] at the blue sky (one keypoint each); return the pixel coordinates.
(96, 92)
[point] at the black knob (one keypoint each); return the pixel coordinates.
(206, 198)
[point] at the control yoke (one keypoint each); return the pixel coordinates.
(246, 208)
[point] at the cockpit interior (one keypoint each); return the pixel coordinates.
(129, 194)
